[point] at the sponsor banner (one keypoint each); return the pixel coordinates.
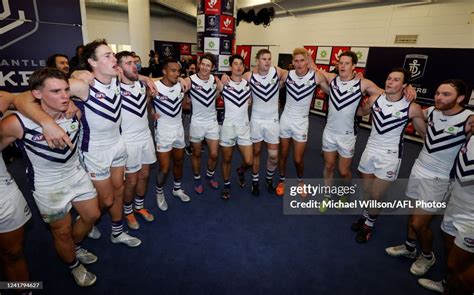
(318, 104)
(224, 65)
(200, 22)
(211, 44)
(194, 49)
(362, 54)
(312, 50)
(226, 46)
(323, 67)
(212, 6)
(26, 37)
(185, 48)
(323, 55)
(244, 51)
(169, 49)
(336, 52)
(227, 24)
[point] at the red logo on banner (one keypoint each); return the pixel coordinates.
(227, 24)
(184, 48)
(244, 51)
(323, 67)
(336, 51)
(312, 50)
(212, 6)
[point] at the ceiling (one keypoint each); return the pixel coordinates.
(186, 9)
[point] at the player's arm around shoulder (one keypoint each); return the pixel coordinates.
(79, 89)
(415, 113)
(366, 105)
(282, 74)
(370, 88)
(321, 81)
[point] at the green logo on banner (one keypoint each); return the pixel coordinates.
(324, 53)
(226, 62)
(359, 54)
(211, 44)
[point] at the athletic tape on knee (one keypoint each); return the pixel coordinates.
(272, 161)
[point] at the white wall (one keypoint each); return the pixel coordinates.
(113, 26)
(438, 25)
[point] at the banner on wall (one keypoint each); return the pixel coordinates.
(176, 50)
(249, 53)
(216, 30)
(428, 66)
(30, 32)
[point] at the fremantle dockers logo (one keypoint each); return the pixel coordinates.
(167, 50)
(18, 20)
(228, 5)
(416, 64)
(226, 45)
(212, 21)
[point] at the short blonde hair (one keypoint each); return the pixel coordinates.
(301, 51)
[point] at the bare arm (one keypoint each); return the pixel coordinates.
(283, 74)
(469, 127)
(322, 82)
(418, 119)
(6, 100)
(366, 107)
(11, 130)
(55, 136)
(369, 88)
(150, 84)
(328, 76)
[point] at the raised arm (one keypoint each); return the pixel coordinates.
(328, 77)
(283, 74)
(418, 118)
(321, 81)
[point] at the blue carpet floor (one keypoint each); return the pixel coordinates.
(243, 246)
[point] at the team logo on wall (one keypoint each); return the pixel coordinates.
(226, 46)
(416, 64)
(227, 24)
(200, 6)
(18, 20)
(212, 6)
(167, 50)
(200, 42)
(212, 23)
(228, 7)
